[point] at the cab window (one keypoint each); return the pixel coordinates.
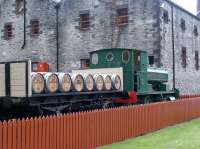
(137, 60)
(125, 56)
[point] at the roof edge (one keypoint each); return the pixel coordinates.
(183, 9)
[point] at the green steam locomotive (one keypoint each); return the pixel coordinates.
(146, 84)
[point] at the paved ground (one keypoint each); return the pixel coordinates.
(182, 136)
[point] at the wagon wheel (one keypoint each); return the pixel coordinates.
(39, 110)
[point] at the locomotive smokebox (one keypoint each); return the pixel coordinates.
(157, 75)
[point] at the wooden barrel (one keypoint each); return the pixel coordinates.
(99, 82)
(116, 81)
(65, 82)
(37, 82)
(78, 82)
(89, 82)
(51, 82)
(107, 82)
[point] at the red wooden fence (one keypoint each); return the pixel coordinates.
(92, 129)
(189, 96)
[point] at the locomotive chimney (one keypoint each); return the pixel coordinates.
(198, 8)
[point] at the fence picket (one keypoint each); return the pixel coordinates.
(27, 134)
(51, 132)
(54, 138)
(23, 134)
(58, 134)
(32, 134)
(44, 130)
(36, 130)
(5, 135)
(47, 133)
(62, 132)
(10, 135)
(14, 134)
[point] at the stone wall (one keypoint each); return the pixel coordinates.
(36, 48)
(146, 30)
(142, 31)
(186, 78)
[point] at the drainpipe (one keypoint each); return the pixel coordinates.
(173, 49)
(57, 36)
(24, 44)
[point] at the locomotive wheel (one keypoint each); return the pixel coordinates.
(107, 105)
(146, 100)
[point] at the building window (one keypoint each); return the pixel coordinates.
(19, 6)
(165, 16)
(183, 26)
(122, 16)
(84, 21)
(151, 60)
(8, 33)
(35, 28)
(196, 60)
(85, 63)
(184, 57)
(195, 30)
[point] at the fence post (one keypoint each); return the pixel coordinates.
(1, 135)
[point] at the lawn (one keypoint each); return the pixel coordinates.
(182, 136)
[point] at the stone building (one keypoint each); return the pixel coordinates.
(157, 26)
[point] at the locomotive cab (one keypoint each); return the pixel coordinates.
(133, 62)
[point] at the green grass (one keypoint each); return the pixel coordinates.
(182, 136)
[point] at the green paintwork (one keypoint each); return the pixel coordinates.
(135, 74)
(117, 62)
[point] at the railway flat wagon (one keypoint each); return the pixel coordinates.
(115, 77)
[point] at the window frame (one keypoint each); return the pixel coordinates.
(122, 18)
(34, 28)
(183, 24)
(127, 53)
(195, 30)
(8, 31)
(94, 58)
(196, 58)
(85, 63)
(184, 57)
(84, 21)
(151, 60)
(165, 16)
